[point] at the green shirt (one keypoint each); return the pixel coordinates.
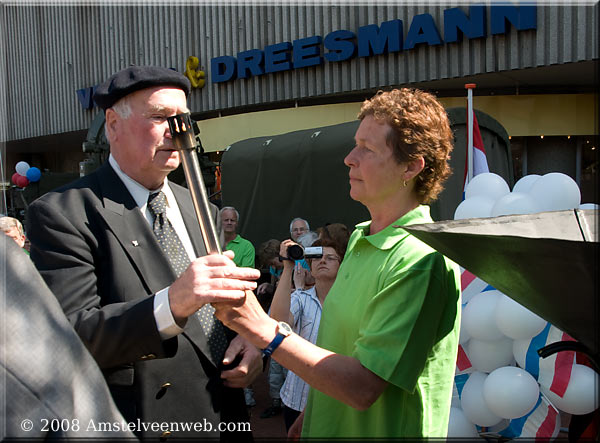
(395, 306)
(244, 252)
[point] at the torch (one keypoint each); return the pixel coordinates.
(182, 133)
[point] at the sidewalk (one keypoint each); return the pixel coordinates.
(272, 427)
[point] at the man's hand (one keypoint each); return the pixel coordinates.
(248, 320)
(209, 279)
(249, 367)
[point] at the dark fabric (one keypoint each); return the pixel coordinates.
(135, 78)
(289, 416)
(273, 179)
(47, 372)
(165, 234)
(98, 254)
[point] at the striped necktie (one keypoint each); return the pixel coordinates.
(178, 258)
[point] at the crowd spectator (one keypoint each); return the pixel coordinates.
(302, 309)
(298, 226)
(243, 249)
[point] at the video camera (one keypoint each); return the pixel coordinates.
(297, 252)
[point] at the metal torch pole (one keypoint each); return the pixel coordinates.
(183, 137)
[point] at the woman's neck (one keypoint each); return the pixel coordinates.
(384, 215)
(322, 287)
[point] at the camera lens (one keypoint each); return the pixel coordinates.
(295, 252)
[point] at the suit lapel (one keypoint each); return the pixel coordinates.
(130, 227)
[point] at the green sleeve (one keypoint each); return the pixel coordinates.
(402, 322)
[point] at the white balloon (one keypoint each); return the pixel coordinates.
(514, 203)
(479, 318)
(525, 183)
(510, 392)
(464, 335)
(555, 192)
(581, 396)
(515, 320)
(488, 185)
(474, 405)
(487, 355)
(589, 206)
(520, 348)
(459, 425)
(22, 167)
(474, 207)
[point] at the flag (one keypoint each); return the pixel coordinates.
(480, 164)
(541, 423)
(553, 372)
(470, 285)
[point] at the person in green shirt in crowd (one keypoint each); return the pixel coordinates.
(243, 249)
(384, 361)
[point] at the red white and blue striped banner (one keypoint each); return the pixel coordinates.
(553, 372)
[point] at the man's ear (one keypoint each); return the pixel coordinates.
(111, 123)
(413, 168)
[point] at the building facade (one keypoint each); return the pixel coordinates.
(269, 68)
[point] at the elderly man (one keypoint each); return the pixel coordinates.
(298, 227)
(383, 365)
(14, 229)
(122, 251)
(242, 248)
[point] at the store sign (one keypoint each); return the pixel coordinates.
(372, 40)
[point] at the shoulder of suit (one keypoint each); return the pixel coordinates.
(87, 184)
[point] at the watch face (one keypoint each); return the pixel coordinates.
(284, 328)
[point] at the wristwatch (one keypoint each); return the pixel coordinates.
(283, 330)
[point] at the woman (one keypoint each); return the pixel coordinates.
(383, 365)
(302, 310)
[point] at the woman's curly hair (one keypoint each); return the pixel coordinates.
(420, 128)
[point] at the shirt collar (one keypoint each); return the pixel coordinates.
(236, 239)
(393, 233)
(138, 192)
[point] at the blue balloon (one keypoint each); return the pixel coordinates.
(33, 174)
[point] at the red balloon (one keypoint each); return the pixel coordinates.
(22, 181)
(15, 177)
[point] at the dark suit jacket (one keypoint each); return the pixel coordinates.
(99, 256)
(48, 375)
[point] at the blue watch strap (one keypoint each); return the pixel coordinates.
(273, 345)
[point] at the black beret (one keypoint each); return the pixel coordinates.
(135, 78)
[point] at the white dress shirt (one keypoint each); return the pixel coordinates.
(162, 310)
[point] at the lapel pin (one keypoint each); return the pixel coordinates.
(134, 243)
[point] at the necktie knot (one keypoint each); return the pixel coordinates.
(157, 203)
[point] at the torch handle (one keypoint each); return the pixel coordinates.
(183, 137)
(193, 176)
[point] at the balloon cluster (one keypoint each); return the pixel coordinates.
(25, 174)
(501, 384)
(488, 195)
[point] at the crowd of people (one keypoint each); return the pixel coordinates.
(359, 339)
